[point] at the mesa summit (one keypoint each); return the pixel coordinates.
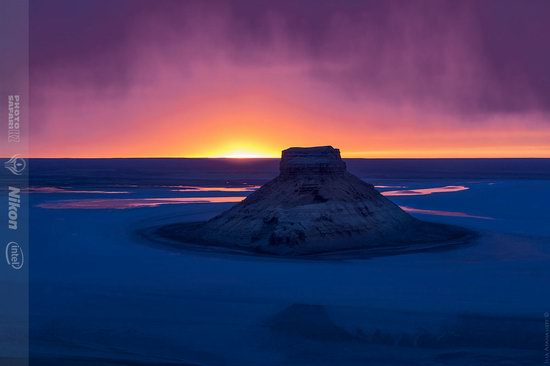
(314, 206)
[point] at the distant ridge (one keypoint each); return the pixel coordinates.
(150, 171)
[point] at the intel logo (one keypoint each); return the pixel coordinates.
(14, 255)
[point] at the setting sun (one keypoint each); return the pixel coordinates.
(239, 148)
(244, 155)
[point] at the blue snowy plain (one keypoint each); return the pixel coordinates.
(101, 294)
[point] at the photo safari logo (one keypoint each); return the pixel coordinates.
(16, 165)
(14, 255)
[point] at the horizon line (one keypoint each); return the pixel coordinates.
(269, 158)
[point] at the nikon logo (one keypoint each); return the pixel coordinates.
(14, 202)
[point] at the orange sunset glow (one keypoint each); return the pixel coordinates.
(217, 89)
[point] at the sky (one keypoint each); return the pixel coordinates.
(248, 78)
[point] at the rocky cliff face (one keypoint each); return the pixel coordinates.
(315, 205)
(311, 161)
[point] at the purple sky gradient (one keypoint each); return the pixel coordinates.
(457, 63)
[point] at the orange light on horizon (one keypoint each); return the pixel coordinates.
(238, 148)
(244, 155)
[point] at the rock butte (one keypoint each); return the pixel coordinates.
(314, 206)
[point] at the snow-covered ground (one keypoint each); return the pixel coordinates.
(103, 295)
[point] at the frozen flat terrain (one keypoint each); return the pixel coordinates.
(102, 295)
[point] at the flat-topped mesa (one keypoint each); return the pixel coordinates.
(319, 160)
(314, 206)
